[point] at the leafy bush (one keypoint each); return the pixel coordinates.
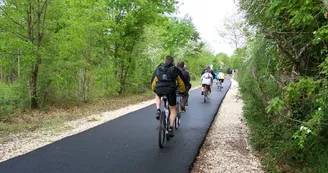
(11, 98)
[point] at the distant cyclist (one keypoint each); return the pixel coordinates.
(207, 80)
(221, 78)
(217, 76)
(164, 81)
(208, 68)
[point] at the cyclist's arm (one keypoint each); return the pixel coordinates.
(202, 77)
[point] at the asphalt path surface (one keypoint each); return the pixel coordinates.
(126, 144)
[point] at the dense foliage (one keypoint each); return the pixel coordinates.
(283, 80)
(71, 51)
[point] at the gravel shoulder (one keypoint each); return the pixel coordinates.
(226, 147)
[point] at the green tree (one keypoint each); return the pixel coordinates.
(28, 23)
(279, 79)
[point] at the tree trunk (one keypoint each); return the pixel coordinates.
(34, 85)
(1, 73)
(19, 63)
(106, 82)
(9, 75)
(116, 61)
(82, 84)
(41, 14)
(121, 75)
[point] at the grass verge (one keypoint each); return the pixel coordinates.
(195, 83)
(55, 117)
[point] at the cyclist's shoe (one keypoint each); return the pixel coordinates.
(158, 113)
(171, 135)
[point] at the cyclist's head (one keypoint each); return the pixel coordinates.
(169, 59)
(181, 64)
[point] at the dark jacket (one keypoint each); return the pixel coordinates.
(186, 75)
(178, 81)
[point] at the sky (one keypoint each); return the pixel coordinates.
(208, 16)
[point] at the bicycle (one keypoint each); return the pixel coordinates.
(164, 124)
(178, 118)
(219, 84)
(206, 93)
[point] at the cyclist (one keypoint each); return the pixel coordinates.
(213, 75)
(221, 78)
(207, 79)
(186, 75)
(208, 68)
(164, 81)
(217, 76)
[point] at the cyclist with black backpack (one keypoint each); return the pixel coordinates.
(165, 81)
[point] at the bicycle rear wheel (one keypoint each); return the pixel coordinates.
(177, 122)
(161, 130)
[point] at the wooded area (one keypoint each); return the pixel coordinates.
(65, 52)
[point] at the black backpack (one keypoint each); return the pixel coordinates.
(165, 76)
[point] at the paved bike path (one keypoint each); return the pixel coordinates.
(126, 144)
